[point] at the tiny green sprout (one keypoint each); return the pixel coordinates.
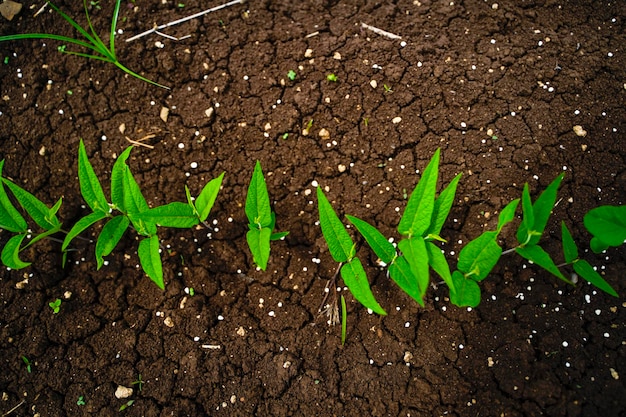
(332, 77)
(128, 404)
(139, 382)
(366, 121)
(95, 4)
(285, 136)
(309, 125)
(61, 48)
(28, 364)
(191, 291)
(55, 305)
(494, 137)
(70, 92)
(81, 400)
(181, 5)
(291, 75)
(387, 88)
(6, 60)
(404, 194)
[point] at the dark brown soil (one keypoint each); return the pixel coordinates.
(252, 342)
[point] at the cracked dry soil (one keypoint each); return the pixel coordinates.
(498, 88)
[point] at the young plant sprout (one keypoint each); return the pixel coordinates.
(55, 305)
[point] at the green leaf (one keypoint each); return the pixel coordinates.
(542, 208)
(401, 273)
(585, 270)
(439, 264)
(80, 226)
(597, 245)
(10, 218)
(570, 251)
(175, 214)
(339, 242)
(278, 235)
(117, 180)
(35, 208)
(259, 244)
(479, 256)
(607, 224)
(507, 214)
(136, 204)
(150, 260)
(466, 293)
(442, 207)
(109, 237)
(376, 240)
(206, 199)
(53, 210)
(355, 279)
(414, 250)
(258, 207)
(11, 253)
(538, 256)
(419, 210)
(528, 218)
(90, 186)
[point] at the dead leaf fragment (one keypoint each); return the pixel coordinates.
(9, 9)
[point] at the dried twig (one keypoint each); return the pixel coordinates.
(380, 31)
(139, 142)
(185, 19)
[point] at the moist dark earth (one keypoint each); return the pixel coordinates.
(499, 86)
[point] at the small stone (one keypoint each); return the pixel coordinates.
(8, 9)
(578, 129)
(494, 6)
(408, 357)
(490, 361)
(122, 128)
(374, 83)
(583, 147)
(241, 331)
(489, 132)
(308, 53)
(168, 322)
(42, 151)
(123, 392)
(341, 168)
(396, 120)
(337, 56)
(267, 126)
(614, 374)
(324, 134)
(209, 112)
(165, 112)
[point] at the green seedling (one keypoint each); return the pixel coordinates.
(126, 405)
(95, 4)
(387, 88)
(344, 320)
(180, 5)
(139, 382)
(261, 219)
(332, 77)
(192, 292)
(291, 75)
(81, 400)
(285, 136)
(55, 305)
(366, 121)
(27, 363)
(99, 49)
(6, 60)
(607, 224)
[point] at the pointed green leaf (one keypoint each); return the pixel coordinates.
(417, 216)
(174, 214)
(206, 199)
(607, 224)
(150, 259)
(339, 242)
(278, 235)
(355, 279)
(538, 256)
(53, 210)
(117, 180)
(542, 208)
(258, 207)
(10, 218)
(442, 207)
(136, 204)
(11, 253)
(109, 237)
(466, 293)
(33, 206)
(259, 244)
(414, 250)
(90, 186)
(479, 256)
(376, 240)
(585, 270)
(80, 226)
(439, 264)
(570, 251)
(507, 214)
(528, 218)
(401, 273)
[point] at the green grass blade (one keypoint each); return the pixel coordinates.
(401, 273)
(109, 237)
(205, 201)
(10, 218)
(417, 216)
(439, 264)
(117, 180)
(570, 251)
(414, 250)
(174, 214)
(538, 256)
(50, 36)
(116, 13)
(443, 205)
(150, 260)
(585, 270)
(466, 293)
(81, 226)
(507, 214)
(35, 208)
(11, 251)
(90, 187)
(339, 242)
(376, 240)
(258, 208)
(259, 244)
(94, 37)
(344, 320)
(607, 224)
(354, 277)
(478, 257)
